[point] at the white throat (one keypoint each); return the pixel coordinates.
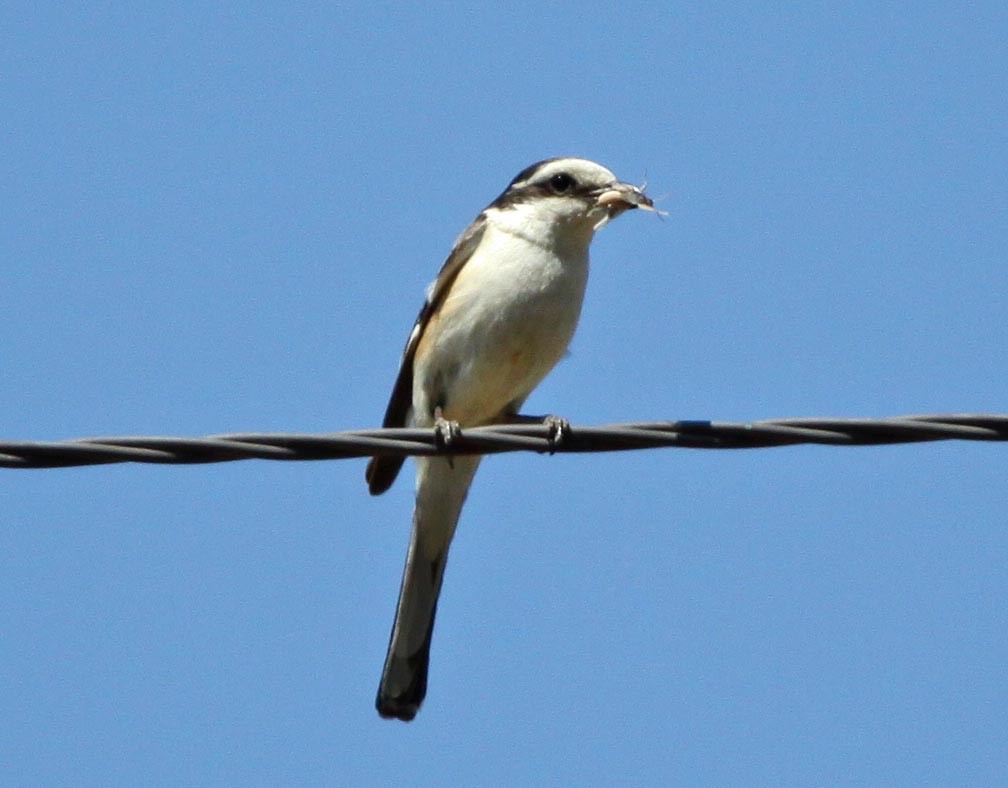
(540, 222)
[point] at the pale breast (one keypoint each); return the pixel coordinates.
(507, 320)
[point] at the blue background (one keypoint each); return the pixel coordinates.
(222, 218)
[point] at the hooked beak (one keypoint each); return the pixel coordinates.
(618, 197)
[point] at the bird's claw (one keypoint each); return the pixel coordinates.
(557, 430)
(446, 432)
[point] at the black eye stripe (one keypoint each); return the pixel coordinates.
(533, 183)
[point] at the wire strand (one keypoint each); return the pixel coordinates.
(542, 437)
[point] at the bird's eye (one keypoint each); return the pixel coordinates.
(561, 182)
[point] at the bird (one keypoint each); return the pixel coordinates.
(498, 317)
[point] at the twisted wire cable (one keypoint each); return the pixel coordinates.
(494, 439)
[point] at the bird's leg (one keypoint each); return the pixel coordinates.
(557, 430)
(557, 427)
(445, 432)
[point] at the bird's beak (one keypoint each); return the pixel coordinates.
(619, 197)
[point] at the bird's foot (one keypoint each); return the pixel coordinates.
(446, 432)
(557, 430)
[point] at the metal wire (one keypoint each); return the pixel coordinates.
(494, 439)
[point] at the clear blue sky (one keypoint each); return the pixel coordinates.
(222, 219)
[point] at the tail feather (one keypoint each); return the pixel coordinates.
(404, 677)
(442, 486)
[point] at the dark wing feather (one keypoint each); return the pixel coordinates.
(382, 471)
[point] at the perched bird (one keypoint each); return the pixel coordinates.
(499, 316)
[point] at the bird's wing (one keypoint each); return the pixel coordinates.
(382, 471)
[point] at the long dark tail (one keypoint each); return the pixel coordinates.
(441, 491)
